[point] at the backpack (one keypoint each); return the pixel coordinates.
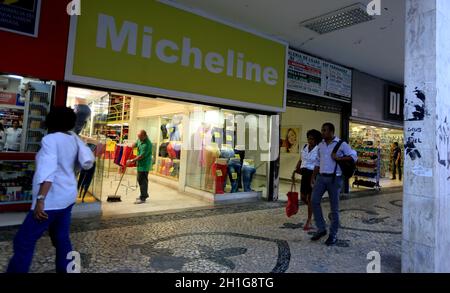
(348, 167)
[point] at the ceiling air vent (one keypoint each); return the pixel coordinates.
(338, 19)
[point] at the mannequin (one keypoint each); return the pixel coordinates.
(248, 171)
(83, 113)
(234, 173)
(164, 132)
(211, 153)
(174, 128)
(226, 151)
(239, 151)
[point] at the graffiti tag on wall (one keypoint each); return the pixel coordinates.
(415, 113)
(443, 143)
(415, 106)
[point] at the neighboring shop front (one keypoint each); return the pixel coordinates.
(318, 92)
(376, 124)
(207, 94)
(32, 65)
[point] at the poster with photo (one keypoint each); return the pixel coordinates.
(290, 139)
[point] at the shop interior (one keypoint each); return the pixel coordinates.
(375, 147)
(26, 101)
(24, 104)
(194, 152)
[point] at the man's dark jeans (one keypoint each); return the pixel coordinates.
(143, 184)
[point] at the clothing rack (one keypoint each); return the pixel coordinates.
(115, 197)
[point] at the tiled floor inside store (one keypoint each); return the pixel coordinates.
(162, 198)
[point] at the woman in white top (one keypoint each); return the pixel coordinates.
(54, 191)
(305, 167)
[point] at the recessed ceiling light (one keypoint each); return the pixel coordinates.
(338, 19)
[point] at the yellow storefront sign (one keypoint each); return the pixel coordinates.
(155, 48)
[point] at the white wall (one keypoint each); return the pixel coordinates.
(306, 120)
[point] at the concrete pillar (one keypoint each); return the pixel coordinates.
(426, 204)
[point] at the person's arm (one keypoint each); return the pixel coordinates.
(314, 175)
(297, 168)
(316, 168)
(138, 158)
(39, 213)
(46, 169)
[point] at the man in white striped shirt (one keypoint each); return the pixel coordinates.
(329, 178)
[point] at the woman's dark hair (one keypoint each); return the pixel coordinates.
(315, 134)
(60, 119)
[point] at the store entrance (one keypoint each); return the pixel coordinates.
(376, 148)
(295, 123)
(196, 159)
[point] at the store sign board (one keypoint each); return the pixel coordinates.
(8, 98)
(20, 16)
(157, 48)
(394, 103)
(310, 75)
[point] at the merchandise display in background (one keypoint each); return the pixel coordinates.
(16, 181)
(33, 100)
(361, 134)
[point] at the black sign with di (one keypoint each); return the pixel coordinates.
(394, 103)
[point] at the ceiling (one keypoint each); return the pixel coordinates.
(375, 47)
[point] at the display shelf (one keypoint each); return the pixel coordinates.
(16, 181)
(42, 104)
(36, 117)
(36, 109)
(13, 107)
(368, 167)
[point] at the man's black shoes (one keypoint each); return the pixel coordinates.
(318, 235)
(332, 240)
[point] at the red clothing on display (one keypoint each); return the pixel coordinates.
(171, 151)
(219, 171)
(127, 155)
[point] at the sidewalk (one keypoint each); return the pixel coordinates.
(242, 238)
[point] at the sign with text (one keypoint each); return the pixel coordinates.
(158, 48)
(394, 103)
(317, 77)
(8, 98)
(20, 16)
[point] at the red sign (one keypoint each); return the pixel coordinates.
(8, 98)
